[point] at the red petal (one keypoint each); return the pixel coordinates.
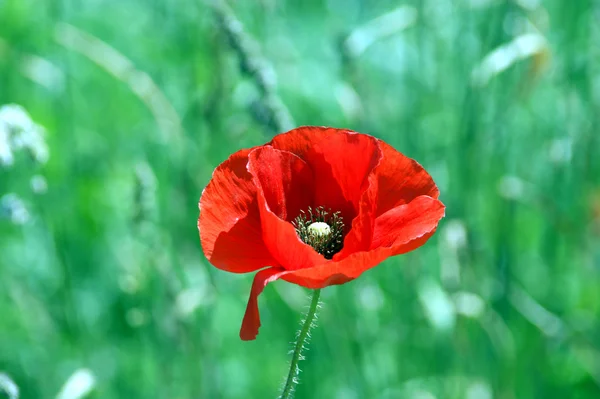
(398, 231)
(282, 178)
(342, 163)
(340, 159)
(401, 180)
(400, 226)
(340, 272)
(361, 234)
(302, 140)
(229, 222)
(286, 181)
(348, 159)
(251, 321)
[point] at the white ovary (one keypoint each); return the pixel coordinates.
(320, 229)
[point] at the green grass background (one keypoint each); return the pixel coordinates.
(141, 100)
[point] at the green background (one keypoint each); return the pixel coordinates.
(141, 100)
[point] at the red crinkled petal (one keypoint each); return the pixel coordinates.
(340, 272)
(361, 233)
(302, 140)
(284, 186)
(342, 163)
(344, 160)
(229, 222)
(251, 321)
(400, 230)
(286, 180)
(400, 180)
(401, 225)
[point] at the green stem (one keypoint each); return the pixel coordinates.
(292, 378)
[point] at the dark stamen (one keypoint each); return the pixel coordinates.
(325, 244)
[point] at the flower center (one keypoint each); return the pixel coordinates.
(321, 229)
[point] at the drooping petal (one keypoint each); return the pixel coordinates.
(229, 222)
(400, 180)
(283, 183)
(251, 321)
(400, 226)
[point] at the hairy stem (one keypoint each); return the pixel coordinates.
(292, 378)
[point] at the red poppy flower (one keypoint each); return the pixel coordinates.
(315, 207)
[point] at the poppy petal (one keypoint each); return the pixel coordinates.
(401, 179)
(302, 140)
(398, 231)
(251, 321)
(285, 178)
(339, 272)
(342, 163)
(229, 222)
(401, 225)
(361, 233)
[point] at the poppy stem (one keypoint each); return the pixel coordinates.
(292, 378)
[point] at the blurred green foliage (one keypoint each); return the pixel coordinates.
(104, 287)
